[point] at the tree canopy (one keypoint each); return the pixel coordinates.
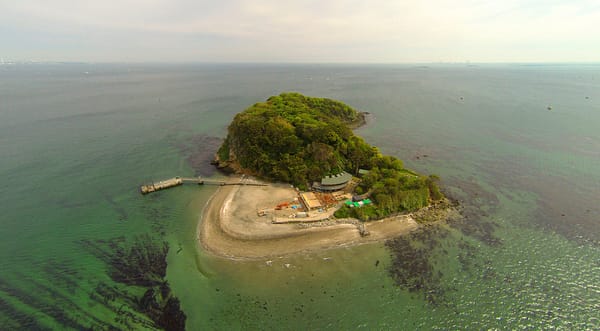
(299, 139)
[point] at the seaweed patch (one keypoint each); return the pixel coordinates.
(141, 296)
(420, 259)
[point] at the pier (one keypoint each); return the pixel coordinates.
(177, 181)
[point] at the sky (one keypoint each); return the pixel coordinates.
(303, 31)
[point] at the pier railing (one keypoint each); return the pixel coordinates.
(176, 181)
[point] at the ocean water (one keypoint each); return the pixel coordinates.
(77, 140)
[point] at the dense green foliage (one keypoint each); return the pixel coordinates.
(394, 191)
(296, 139)
(299, 139)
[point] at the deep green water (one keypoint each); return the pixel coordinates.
(77, 140)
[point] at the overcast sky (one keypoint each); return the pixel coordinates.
(376, 31)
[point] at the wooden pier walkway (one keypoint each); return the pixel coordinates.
(176, 181)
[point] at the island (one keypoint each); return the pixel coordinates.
(326, 187)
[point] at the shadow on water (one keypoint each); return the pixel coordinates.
(420, 259)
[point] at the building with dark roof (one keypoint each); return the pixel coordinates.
(333, 182)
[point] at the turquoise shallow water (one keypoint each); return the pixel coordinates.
(77, 140)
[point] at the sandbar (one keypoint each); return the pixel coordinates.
(230, 226)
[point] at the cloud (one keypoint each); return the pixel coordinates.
(306, 31)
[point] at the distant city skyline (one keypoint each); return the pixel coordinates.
(335, 31)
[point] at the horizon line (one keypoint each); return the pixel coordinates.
(12, 62)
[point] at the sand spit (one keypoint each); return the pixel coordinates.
(230, 227)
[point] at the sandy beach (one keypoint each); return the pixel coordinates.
(230, 227)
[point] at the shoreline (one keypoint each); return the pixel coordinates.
(229, 227)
